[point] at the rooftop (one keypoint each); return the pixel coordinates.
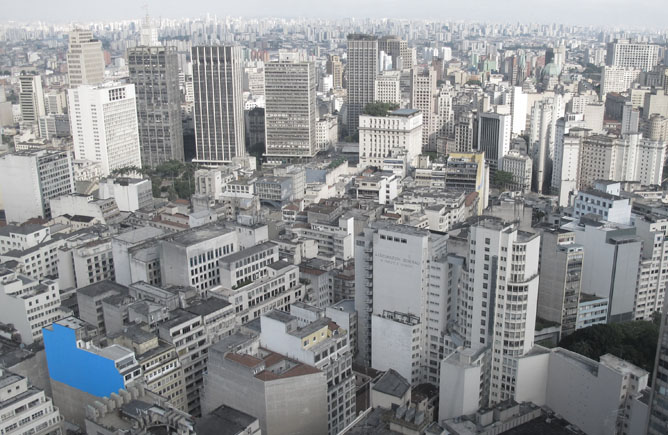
(102, 287)
(224, 421)
(198, 235)
(392, 383)
(208, 306)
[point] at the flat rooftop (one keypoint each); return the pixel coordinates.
(198, 235)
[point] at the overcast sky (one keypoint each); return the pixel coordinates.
(623, 13)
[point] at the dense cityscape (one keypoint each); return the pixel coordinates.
(228, 225)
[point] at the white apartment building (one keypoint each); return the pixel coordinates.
(85, 60)
(25, 408)
(104, 126)
(247, 265)
(520, 165)
(603, 200)
(593, 396)
(276, 290)
(28, 304)
(85, 263)
(31, 98)
(30, 179)
(401, 297)
(618, 79)
(326, 132)
(423, 98)
(324, 345)
(630, 158)
(627, 54)
(382, 187)
(190, 258)
(653, 274)
(19, 238)
(379, 135)
(386, 87)
(130, 194)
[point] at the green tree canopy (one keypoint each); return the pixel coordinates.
(379, 109)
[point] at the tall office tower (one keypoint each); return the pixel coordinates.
(446, 114)
(631, 120)
(85, 60)
(565, 170)
(423, 98)
(31, 98)
(397, 49)
(518, 109)
(559, 57)
(103, 121)
(219, 113)
(403, 299)
(496, 316)
(561, 262)
(466, 130)
(387, 87)
(362, 70)
(658, 402)
(627, 54)
(617, 79)
(653, 278)
(542, 136)
(154, 72)
(335, 68)
(381, 136)
(494, 137)
(29, 179)
(290, 110)
(148, 35)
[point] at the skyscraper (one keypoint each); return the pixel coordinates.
(362, 71)
(290, 109)
(335, 68)
(494, 137)
(154, 71)
(85, 61)
(31, 98)
(423, 98)
(218, 114)
(397, 49)
(627, 54)
(104, 127)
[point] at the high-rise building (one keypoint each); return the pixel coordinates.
(403, 299)
(362, 70)
(290, 110)
(423, 98)
(520, 165)
(560, 278)
(154, 72)
(398, 50)
(387, 88)
(627, 54)
(658, 404)
(31, 98)
(335, 68)
(618, 78)
(494, 137)
(30, 179)
(85, 60)
(103, 121)
(219, 113)
(496, 316)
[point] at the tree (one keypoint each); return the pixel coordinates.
(379, 109)
(502, 179)
(633, 341)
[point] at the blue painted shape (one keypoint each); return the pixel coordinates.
(76, 367)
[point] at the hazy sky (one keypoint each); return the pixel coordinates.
(625, 13)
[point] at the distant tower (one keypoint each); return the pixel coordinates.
(31, 98)
(155, 72)
(104, 125)
(85, 60)
(148, 36)
(423, 98)
(290, 110)
(218, 111)
(362, 70)
(335, 68)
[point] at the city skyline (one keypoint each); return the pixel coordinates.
(613, 13)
